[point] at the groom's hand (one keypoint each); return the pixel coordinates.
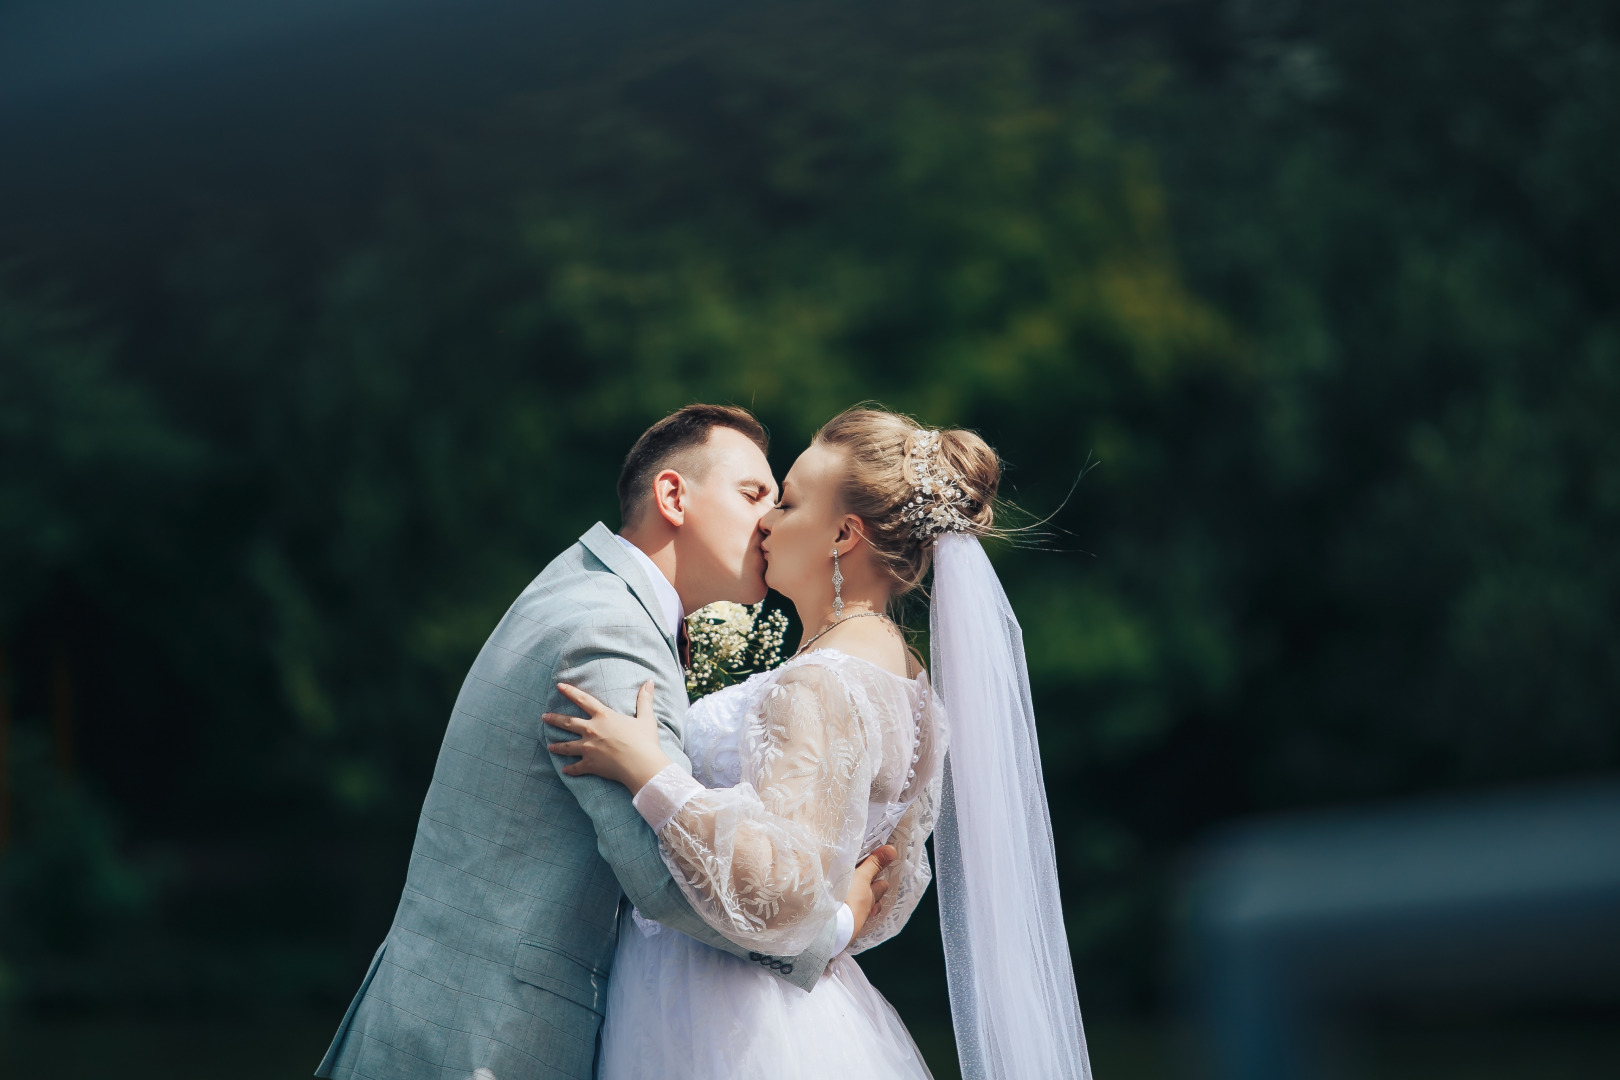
(865, 893)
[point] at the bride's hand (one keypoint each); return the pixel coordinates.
(610, 744)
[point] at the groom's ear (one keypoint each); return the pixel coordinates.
(670, 495)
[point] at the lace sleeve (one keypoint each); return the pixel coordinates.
(908, 876)
(768, 862)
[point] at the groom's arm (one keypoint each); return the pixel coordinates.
(609, 660)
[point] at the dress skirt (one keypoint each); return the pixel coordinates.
(680, 1010)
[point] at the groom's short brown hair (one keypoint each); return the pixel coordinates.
(672, 438)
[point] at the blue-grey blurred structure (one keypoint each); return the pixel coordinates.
(1485, 901)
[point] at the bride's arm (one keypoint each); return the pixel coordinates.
(628, 749)
(769, 861)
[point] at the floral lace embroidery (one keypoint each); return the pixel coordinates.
(832, 756)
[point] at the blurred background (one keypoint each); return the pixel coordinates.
(323, 327)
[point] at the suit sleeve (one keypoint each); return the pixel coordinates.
(611, 662)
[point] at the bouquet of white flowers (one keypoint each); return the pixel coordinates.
(730, 642)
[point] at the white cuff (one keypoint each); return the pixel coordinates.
(846, 928)
(662, 797)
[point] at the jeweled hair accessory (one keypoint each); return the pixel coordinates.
(937, 499)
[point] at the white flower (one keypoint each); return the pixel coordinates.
(730, 641)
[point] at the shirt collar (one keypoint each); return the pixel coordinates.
(668, 598)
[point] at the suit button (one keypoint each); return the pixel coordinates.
(755, 957)
(787, 969)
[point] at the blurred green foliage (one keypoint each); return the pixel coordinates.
(1326, 294)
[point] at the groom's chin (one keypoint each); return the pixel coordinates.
(753, 592)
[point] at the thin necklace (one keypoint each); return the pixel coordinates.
(841, 622)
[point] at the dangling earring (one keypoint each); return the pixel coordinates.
(838, 588)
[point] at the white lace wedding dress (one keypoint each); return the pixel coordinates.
(804, 770)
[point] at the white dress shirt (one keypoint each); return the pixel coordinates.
(657, 812)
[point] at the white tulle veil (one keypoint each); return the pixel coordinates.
(1013, 998)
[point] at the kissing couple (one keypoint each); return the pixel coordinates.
(607, 882)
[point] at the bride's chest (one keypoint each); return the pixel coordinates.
(714, 733)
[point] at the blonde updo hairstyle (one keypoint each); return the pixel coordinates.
(879, 483)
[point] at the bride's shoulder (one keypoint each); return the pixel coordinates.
(822, 674)
(850, 667)
(812, 696)
(837, 678)
(809, 668)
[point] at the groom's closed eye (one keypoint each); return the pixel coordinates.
(755, 490)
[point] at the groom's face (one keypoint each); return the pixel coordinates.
(720, 536)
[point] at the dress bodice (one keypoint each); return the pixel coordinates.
(902, 710)
(713, 735)
(797, 774)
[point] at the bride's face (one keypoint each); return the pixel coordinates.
(801, 529)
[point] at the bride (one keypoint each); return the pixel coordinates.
(801, 772)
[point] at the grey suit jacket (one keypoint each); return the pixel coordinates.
(499, 953)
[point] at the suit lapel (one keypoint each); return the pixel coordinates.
(600, 541)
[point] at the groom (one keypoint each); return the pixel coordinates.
(496, 966)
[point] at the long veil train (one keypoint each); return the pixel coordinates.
(1013, 998)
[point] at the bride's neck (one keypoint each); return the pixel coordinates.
(816, 612)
